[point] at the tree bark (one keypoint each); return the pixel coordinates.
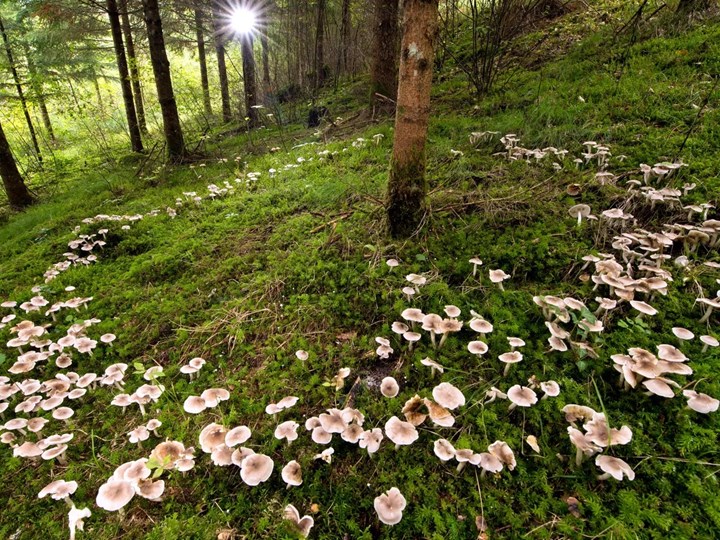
(130, 113)
(320, 45)
(345, 27)
(219, 39)
(133, 65)
(17, 192)
(407, 186)
(202, 60)
(688, 7)
(267, 85)
(21, 94)
(249, 83)
(163, 82)
(384, 71)
(39, 94)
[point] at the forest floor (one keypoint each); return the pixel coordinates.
(294, 258)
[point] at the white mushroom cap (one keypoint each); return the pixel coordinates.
(114, 494)
(287, 402)
(256, 468)
(670, 354)
(504, 453)
(452, 311)
(498, 276)
(439, 414)
(516, 342)
(701, 403)
(432, 364)
(533, 443)
(389, 387)
(522, 396)
(682, 333)
(287, 430)
(551, 388)
(237, 436)
(659, 387)
(325, 455)
(481, 326)
(194, 405)
(511, 357)
(399, 328)
(477, 347)
(416, 279)
(292, 473)
(211, 436)
(412, 314)
(710, 340)
(301, 355)
(150, 490)
(62, 413)
(371, 440)
(333, 421)
(392, 263)
(303, 524)
(389, 506)
(448, 396)
(213, 396)
(352, 433)
(399, 432)
(444, 449)
(643, 307)
(615, 467)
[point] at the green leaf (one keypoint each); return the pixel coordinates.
(420, 257)
(3, 358)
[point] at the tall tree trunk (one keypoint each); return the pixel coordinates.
(688, 7)
(130, 113)
(21, 94)
(17, 191)
(163, 82)
(249, 83)
(202, 59)
(133, 65)
(320, 45)
(39, 94)
(267, 85)
(384, 71)
(345, 27)
(407, 186)
(222, 69)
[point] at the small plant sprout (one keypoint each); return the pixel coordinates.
(302, 524)
(389, 387)
(475, 261)
(613, 467)
(389, 506)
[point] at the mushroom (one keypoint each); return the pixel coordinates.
(412, 410)
(444, 450)
(325, 455)
(614, 467)
(292, 474)
(579, 211)
(389, 387)
(75, 519)
(439, 414)
(303, 525)
(371, 440)
(433, 365)
(256, 468)
(498, 276)
(114, 494)
(477, 348)
(701, 403)
(237, 435)
(194, 405)
(399, 432)
(711, 304)
(709, 341)
(448, 396)
(475, 261)
(550, 388)
(521, 396)
(389, 506)
(682, 333)
(510, 358)
(287, 430)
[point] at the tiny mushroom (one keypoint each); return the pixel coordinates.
(389, 387)
(613, 467)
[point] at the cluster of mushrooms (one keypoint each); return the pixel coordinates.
(625, 282)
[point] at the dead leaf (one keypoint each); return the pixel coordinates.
(573, 506)
(226, 534)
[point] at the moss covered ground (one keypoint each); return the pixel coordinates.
(295, 259)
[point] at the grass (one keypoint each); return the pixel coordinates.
(296, 261)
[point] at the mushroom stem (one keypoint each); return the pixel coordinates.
(512, 406)
(705, 348)
(708, 312)
(500, 285)
(142, 409)
(442, 340)
(432, 340)
(506, 370)
(579, 456)
(460, 466)
(604, 476)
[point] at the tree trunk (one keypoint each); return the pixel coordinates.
(202, 59)
(320, 45)
(133, 65)
(163, 82)
(267, 85)
(345, 27)
(407, 186)
(39, 94)
(133, 126)
(21, 94)
(688, 7)
(17, 191)
(249, 83)
(222, 70)
(384, 71)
